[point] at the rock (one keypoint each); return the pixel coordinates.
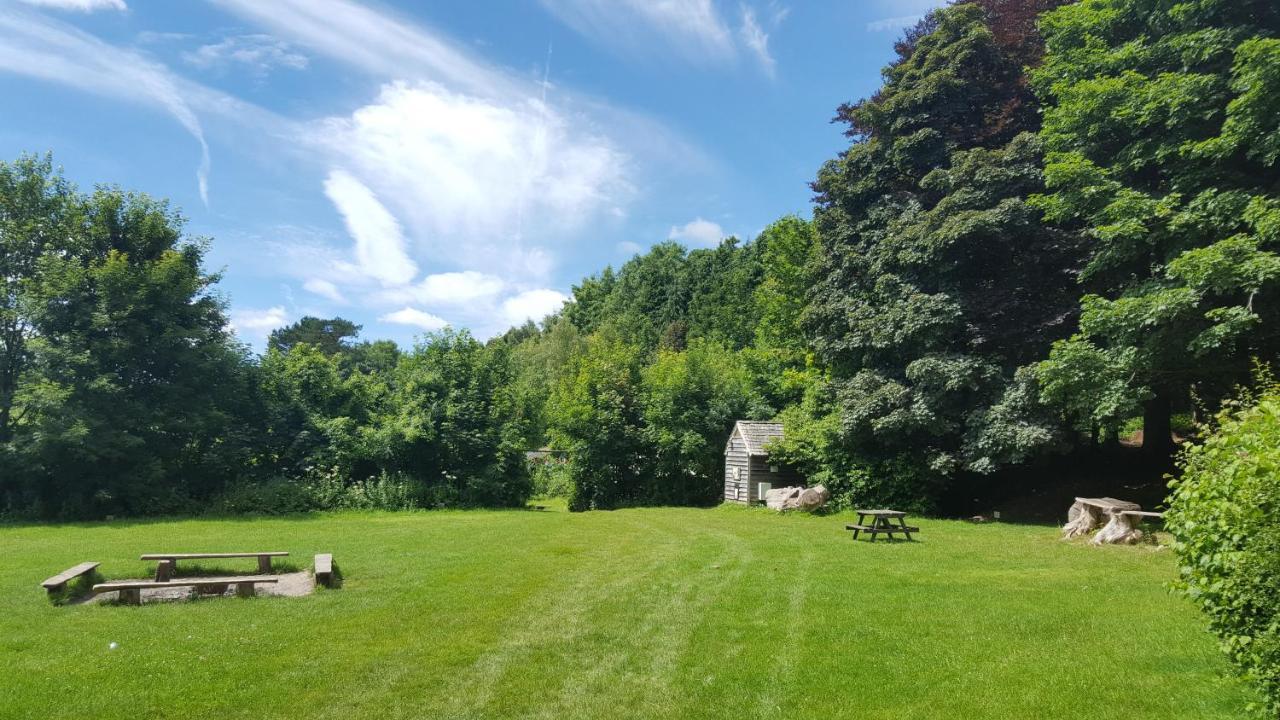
(777, 498)
(797, 498)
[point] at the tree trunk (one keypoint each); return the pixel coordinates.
(1157, 426)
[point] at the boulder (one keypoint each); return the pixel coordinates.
(797, 498)
(777, 498)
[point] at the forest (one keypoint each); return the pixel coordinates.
(1050, 240)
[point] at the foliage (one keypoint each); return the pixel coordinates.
(128, 386)
(1159, 129)
(935, 279)
(329, 336)
(1225, 514)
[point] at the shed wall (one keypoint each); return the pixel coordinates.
(736, 486)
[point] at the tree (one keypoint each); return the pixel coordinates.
(936, 279)
(330, 336)
(134, 398)
(788, 248)
(691, 400)
(1160, 127)
(595, 415)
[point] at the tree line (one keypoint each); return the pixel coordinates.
(1054, 224)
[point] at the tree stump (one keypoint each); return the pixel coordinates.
(1082, 518)
(1121, 529)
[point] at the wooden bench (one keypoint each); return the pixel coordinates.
(131, 590)
(58, 583)
(324, 569)
(264, 558)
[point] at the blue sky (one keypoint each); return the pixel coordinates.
(408, 165)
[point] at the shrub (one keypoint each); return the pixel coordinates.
(1225, 516)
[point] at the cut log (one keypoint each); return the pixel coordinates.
(1123, 528)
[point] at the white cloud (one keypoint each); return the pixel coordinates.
(54, 51)
(415, 317)
(325, 289)
(626, 247)
(698, 232)
(692, 28)
(451, 288)
(79, 5)
(259, 322)
(259, 53)
(476, 178)
(532, 305)
(380, 244)
(757, 40)
(893, 23)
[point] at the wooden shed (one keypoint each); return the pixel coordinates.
(747, 466)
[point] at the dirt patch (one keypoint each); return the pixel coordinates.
(294, 584)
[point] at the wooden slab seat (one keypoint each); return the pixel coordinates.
(131, 590)
(58, 583)
(324, 569)
(264, 558)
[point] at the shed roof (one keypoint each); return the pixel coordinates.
(756, 434)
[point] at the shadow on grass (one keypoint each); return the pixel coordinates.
(195, 570)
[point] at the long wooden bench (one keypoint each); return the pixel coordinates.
(324, 569)
(264, 558)
(58, 583)
(131, 590)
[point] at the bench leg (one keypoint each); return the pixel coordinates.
(131, 597)
(244, 589)
(56, 589)
(264, 564)
(164, 570)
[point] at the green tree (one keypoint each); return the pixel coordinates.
(595, 415)
(1161, 126)
(691, 400)
(936, 279)
(331, 336)
(135, 398)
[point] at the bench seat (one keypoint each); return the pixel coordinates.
(264, 558)
(58, 582)
(324, 569)
(131, 590)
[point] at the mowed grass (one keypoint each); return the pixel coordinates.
(649, 613)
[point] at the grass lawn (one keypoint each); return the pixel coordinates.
(662, 613)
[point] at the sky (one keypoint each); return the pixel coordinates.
(414, 165)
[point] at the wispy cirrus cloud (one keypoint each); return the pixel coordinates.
(43, 48)
(257, 52)
(79, 5)
(696, 30)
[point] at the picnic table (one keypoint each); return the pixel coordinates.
(881, 521)
(168, 561)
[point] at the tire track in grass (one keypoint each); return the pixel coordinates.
(626, 565)
(662, 636)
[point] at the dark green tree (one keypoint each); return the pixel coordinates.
(331, 336)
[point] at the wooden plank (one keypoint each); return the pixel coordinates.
(882, 513)
(1109, 503)
(62, 578)
(198, 556)
(1141, 513)
(183, 582)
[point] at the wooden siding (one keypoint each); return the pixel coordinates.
(752, 470)
(736, 487)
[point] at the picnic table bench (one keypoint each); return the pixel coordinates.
(324, 569)
(165, 570)
(131, 590)
(881, 523)
(58, 583)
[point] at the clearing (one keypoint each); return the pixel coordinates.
(650, 613)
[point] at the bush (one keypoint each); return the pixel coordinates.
(551, 478)
(1225, 516)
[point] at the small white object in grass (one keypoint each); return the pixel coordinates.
(114, 645)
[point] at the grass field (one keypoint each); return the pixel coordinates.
(656, 613)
